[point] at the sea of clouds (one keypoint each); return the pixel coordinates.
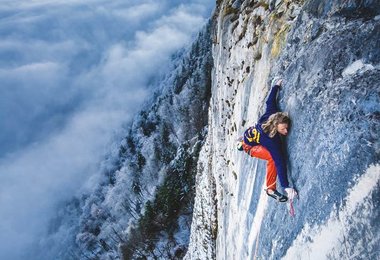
(72, 74)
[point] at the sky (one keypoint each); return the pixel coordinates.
(72, 74)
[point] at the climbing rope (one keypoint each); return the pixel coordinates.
(291, 208)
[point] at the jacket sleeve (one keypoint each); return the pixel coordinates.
(279, 160)
(271, 104)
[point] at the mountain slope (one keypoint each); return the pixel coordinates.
(184, 143)
(142, 204)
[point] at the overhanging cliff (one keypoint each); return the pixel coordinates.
(328, 53)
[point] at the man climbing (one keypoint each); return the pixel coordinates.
(263, 141)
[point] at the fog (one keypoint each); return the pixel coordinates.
(72, 74)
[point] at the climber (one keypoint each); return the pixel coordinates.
(263, 141)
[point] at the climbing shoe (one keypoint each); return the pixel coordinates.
(276, 195)
(239, 144)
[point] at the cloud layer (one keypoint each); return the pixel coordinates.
(72, 73)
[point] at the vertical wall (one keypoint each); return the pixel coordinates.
(328, 55)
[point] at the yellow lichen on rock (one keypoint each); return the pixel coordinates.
(279, 40)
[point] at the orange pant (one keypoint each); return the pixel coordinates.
(261, 152)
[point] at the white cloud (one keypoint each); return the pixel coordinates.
(137, 12)
(72, 73)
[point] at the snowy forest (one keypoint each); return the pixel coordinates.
(143, 204)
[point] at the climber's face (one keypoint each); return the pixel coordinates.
(282, 129)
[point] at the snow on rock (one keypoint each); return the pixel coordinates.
(332, 239)
(327, 53)
(204, 216)
(357, 66)
(244, 47)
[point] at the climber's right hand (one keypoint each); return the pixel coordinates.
(292, 193)
(279, 82)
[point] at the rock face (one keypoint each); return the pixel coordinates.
(328, 53)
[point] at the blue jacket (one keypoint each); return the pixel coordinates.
(256, 136)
